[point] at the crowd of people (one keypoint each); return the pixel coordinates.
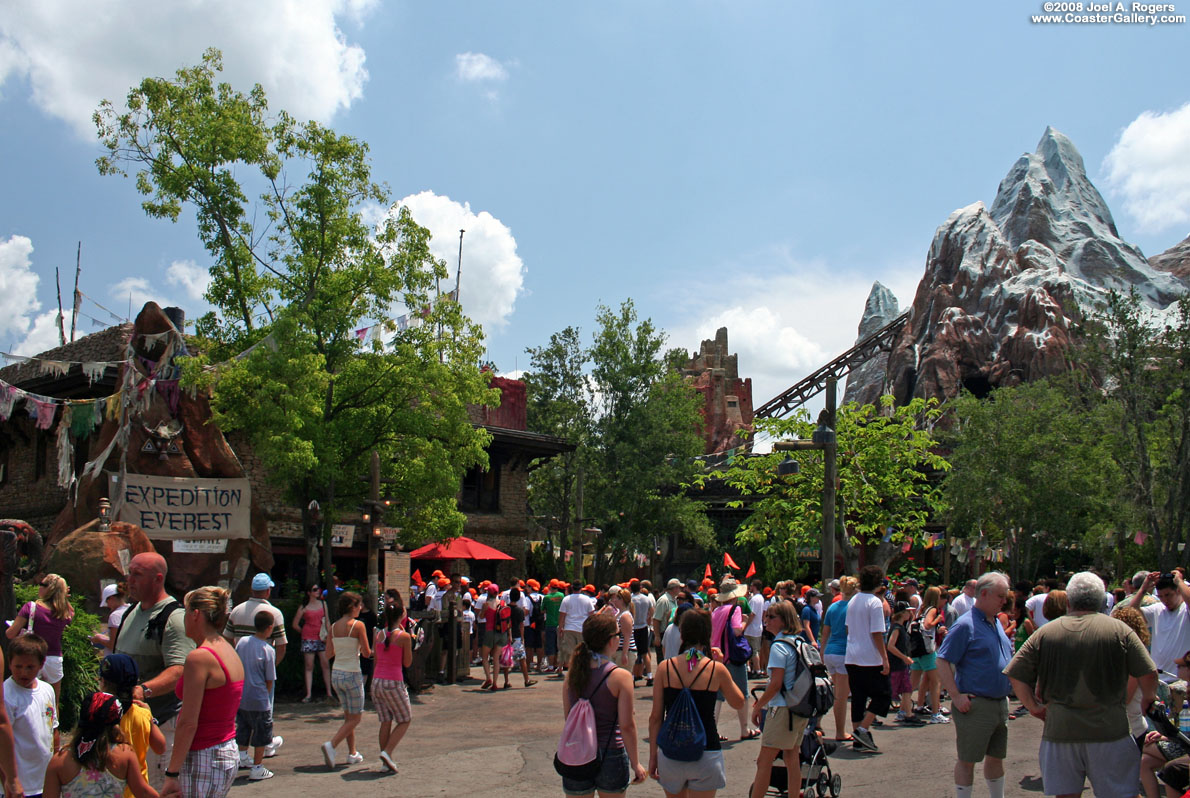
(188, 687)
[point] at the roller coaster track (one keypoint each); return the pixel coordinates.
(815, 383)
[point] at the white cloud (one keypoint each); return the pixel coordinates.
(76, 54)
(18, 286)
(137, 291)
(42, 336)
(1150, 168)
(787, 322)
(493, 273)
(475, 67)
(192, 278)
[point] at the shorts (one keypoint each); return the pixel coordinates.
(835, 663)
(641, 636)
(532, 638)
(209, 772)
(490, 638)
(551, 641)
(568, 643)
(349, 687)
(1177, 774)
(754, 641)
(518, 650)
(870, 691)
(926, 662)
(777, 732)
(982, 730)
(391, 699)
(614, 776)
(313, 646)
(708, 773)
(739, 675)
(899, 682)
(254, 727)
(51, 670)
(1112, 768)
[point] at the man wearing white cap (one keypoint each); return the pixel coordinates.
(242, 623)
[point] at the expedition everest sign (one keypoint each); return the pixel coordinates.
(172, 508)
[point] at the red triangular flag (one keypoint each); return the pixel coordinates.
(729, 563)
(751, 570)
(708, 574)
(416, 576)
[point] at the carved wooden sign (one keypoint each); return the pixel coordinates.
(185, 508)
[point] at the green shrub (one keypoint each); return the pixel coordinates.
(80, 661)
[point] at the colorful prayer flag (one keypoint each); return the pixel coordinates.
(751, 571)
(905, 547)
(729, 563)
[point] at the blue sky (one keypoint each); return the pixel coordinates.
(754, 164)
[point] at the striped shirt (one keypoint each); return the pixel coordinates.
(242, 621)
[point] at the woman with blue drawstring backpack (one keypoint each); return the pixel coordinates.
(685, 752)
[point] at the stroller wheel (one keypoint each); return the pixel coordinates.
(836, 786)
(824, 783)
(810, 791)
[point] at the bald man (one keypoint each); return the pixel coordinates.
(153, 632)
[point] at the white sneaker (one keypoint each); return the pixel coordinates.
(328, 754)
(355, 759)
(387, 761)
(260, 773)
(271, 748)
(939, 718)
(245, 760)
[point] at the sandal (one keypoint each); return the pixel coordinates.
(751, 735)
(848, 739)
(530, 683)
(486, 684)
(505, 687)
(722, 739)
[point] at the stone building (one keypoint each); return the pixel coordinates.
(727, 400)
(494, 500)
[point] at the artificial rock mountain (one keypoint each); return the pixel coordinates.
(866, 382)
(1002, 287)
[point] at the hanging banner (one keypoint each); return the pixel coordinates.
(342, 535)
(184, 508)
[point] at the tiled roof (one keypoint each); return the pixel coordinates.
(109, 344)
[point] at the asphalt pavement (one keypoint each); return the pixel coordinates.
(468, 742)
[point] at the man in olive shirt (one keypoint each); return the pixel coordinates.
(663, 613)
(1079, 665)
(160, 656)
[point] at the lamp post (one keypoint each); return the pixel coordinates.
(823, 439)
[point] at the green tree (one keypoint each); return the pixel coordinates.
(884, 464)
(1031, 467)
(559, 403)
(1144, 359)
(299, 278)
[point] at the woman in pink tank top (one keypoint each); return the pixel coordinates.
(205, 758)
(393, 649)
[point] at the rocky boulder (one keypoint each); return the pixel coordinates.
(85, 556)
(1175, 260)
(866, 382)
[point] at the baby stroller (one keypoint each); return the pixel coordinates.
(817, 779)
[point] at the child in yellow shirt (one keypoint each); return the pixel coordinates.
(118, 675)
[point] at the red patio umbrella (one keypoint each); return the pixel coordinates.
(461, 548)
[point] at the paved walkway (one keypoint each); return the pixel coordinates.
(464, 742)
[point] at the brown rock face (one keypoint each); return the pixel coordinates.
(1175, 260)
(85, 556)
(204, 453)
(727, 400)
(1001, 288)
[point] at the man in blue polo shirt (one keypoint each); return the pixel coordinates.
(971, 662)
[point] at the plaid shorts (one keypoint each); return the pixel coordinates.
(349, 687)
(391, 699)
(208, 773)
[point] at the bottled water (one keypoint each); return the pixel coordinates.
(1184, 721)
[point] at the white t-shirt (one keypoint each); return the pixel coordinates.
(469, 619)
(1171, 636)
(671, 642)
(576, 606)
(117, 615)
(1034, 605)
(34, 717)
(642, 605)
(962, 604)
(756, 622)
(865, 617)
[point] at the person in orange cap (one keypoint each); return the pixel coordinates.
(552, 604)
(535, 626)
(572, 613)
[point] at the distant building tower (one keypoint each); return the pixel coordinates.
(727, 400)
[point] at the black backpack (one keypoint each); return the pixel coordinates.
(916, 636)
(536, 613)
(155, 628)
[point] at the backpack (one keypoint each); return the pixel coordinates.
(578, 756)
(155, 628)
(736, 648)
(918, 645)
(503, 618)
(813, 691)
(536, 613)
(682, 736)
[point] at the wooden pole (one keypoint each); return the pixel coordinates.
(830, 479)
(61, 328)
(78, 298)
(373, 544)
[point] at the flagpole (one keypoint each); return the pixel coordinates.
(78, 300)
(459, 268)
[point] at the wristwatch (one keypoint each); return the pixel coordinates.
(148, 691)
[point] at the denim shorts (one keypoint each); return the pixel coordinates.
(614, 776)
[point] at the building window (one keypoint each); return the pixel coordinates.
(481, 488)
